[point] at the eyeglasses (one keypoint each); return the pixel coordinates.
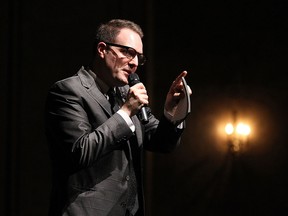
(130, 53)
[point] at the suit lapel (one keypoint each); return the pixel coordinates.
(138, 129)
(89, 83)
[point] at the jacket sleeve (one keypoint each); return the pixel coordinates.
(77, 133)
(161, 136)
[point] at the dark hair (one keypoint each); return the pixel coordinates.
(108, 31)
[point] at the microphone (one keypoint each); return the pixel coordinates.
(142, 115)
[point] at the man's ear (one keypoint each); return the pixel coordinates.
(101, 49)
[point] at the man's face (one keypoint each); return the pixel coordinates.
(121, 60)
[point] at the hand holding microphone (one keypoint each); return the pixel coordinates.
(133, 79)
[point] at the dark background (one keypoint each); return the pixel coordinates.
(235, 53)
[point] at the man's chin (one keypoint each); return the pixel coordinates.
(124, 81)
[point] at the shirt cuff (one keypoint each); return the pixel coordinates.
(128, 120)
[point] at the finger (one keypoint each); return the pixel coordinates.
(183, 74)
(178, 80)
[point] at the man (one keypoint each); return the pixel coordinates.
(96, 151)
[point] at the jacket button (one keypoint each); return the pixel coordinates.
(123, 204)
(127, 177)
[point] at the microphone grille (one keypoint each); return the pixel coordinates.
(133, 79)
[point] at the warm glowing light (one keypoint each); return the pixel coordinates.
(243, 129)
(229, 129)
(237, 133)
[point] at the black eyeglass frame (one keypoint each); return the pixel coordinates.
(141, 58)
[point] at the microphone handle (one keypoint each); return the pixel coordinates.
(142, 115)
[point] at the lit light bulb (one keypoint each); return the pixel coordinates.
(229, 129)
(243, 129)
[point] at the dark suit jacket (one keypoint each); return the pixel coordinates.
(87, 145)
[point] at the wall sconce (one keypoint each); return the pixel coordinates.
(237, 136)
